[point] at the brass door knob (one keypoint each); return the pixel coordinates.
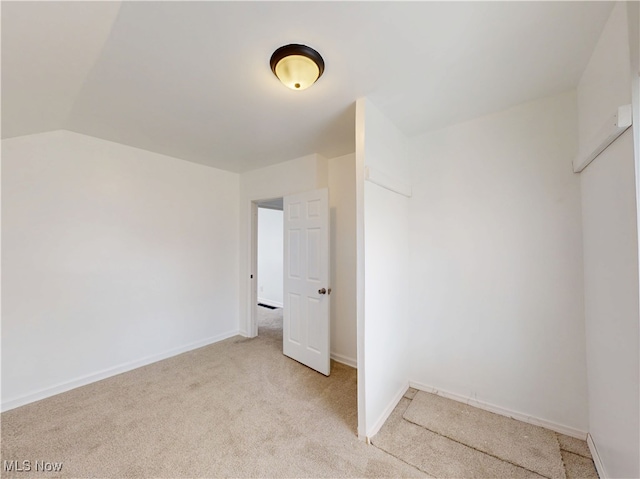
(322, 291)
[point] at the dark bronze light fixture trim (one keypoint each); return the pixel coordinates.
(291, 60)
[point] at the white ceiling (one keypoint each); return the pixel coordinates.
(192, 79)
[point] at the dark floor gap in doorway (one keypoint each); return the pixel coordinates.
(266, 306)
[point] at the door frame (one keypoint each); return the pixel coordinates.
(252, 297)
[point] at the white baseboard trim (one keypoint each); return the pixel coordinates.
(373, 430)
(270, 302)
(561, 428)
(596, 457)
(339, 358)
(106, 373)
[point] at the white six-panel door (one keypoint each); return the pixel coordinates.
(306, 279)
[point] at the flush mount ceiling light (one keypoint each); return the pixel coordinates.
(297, 66)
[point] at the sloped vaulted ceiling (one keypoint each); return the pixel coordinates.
(48, 49)
(192, 79)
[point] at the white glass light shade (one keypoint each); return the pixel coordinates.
(297, 72)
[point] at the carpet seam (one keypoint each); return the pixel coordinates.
(401, 460)
(579, 455)
(576, 453)
(564, 466)
(483, 452)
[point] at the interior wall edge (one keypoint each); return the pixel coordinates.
(360, 296)
(596, 458)
(110, 372)
(536, 421)
(377, 425)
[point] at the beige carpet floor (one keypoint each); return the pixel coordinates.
(448, 439)
(237, 408)
(438, 455)
(525, 445)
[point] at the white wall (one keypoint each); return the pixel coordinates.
(112, 257)
(384, 327)
(496, 263)
(611, 258)
(342, 201)
(270, 257)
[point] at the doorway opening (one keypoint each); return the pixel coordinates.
(305, 335)
(269, 265)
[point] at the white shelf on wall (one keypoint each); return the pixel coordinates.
(383, 180)
(615, 126)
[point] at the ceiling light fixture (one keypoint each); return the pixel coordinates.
(297, 66)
